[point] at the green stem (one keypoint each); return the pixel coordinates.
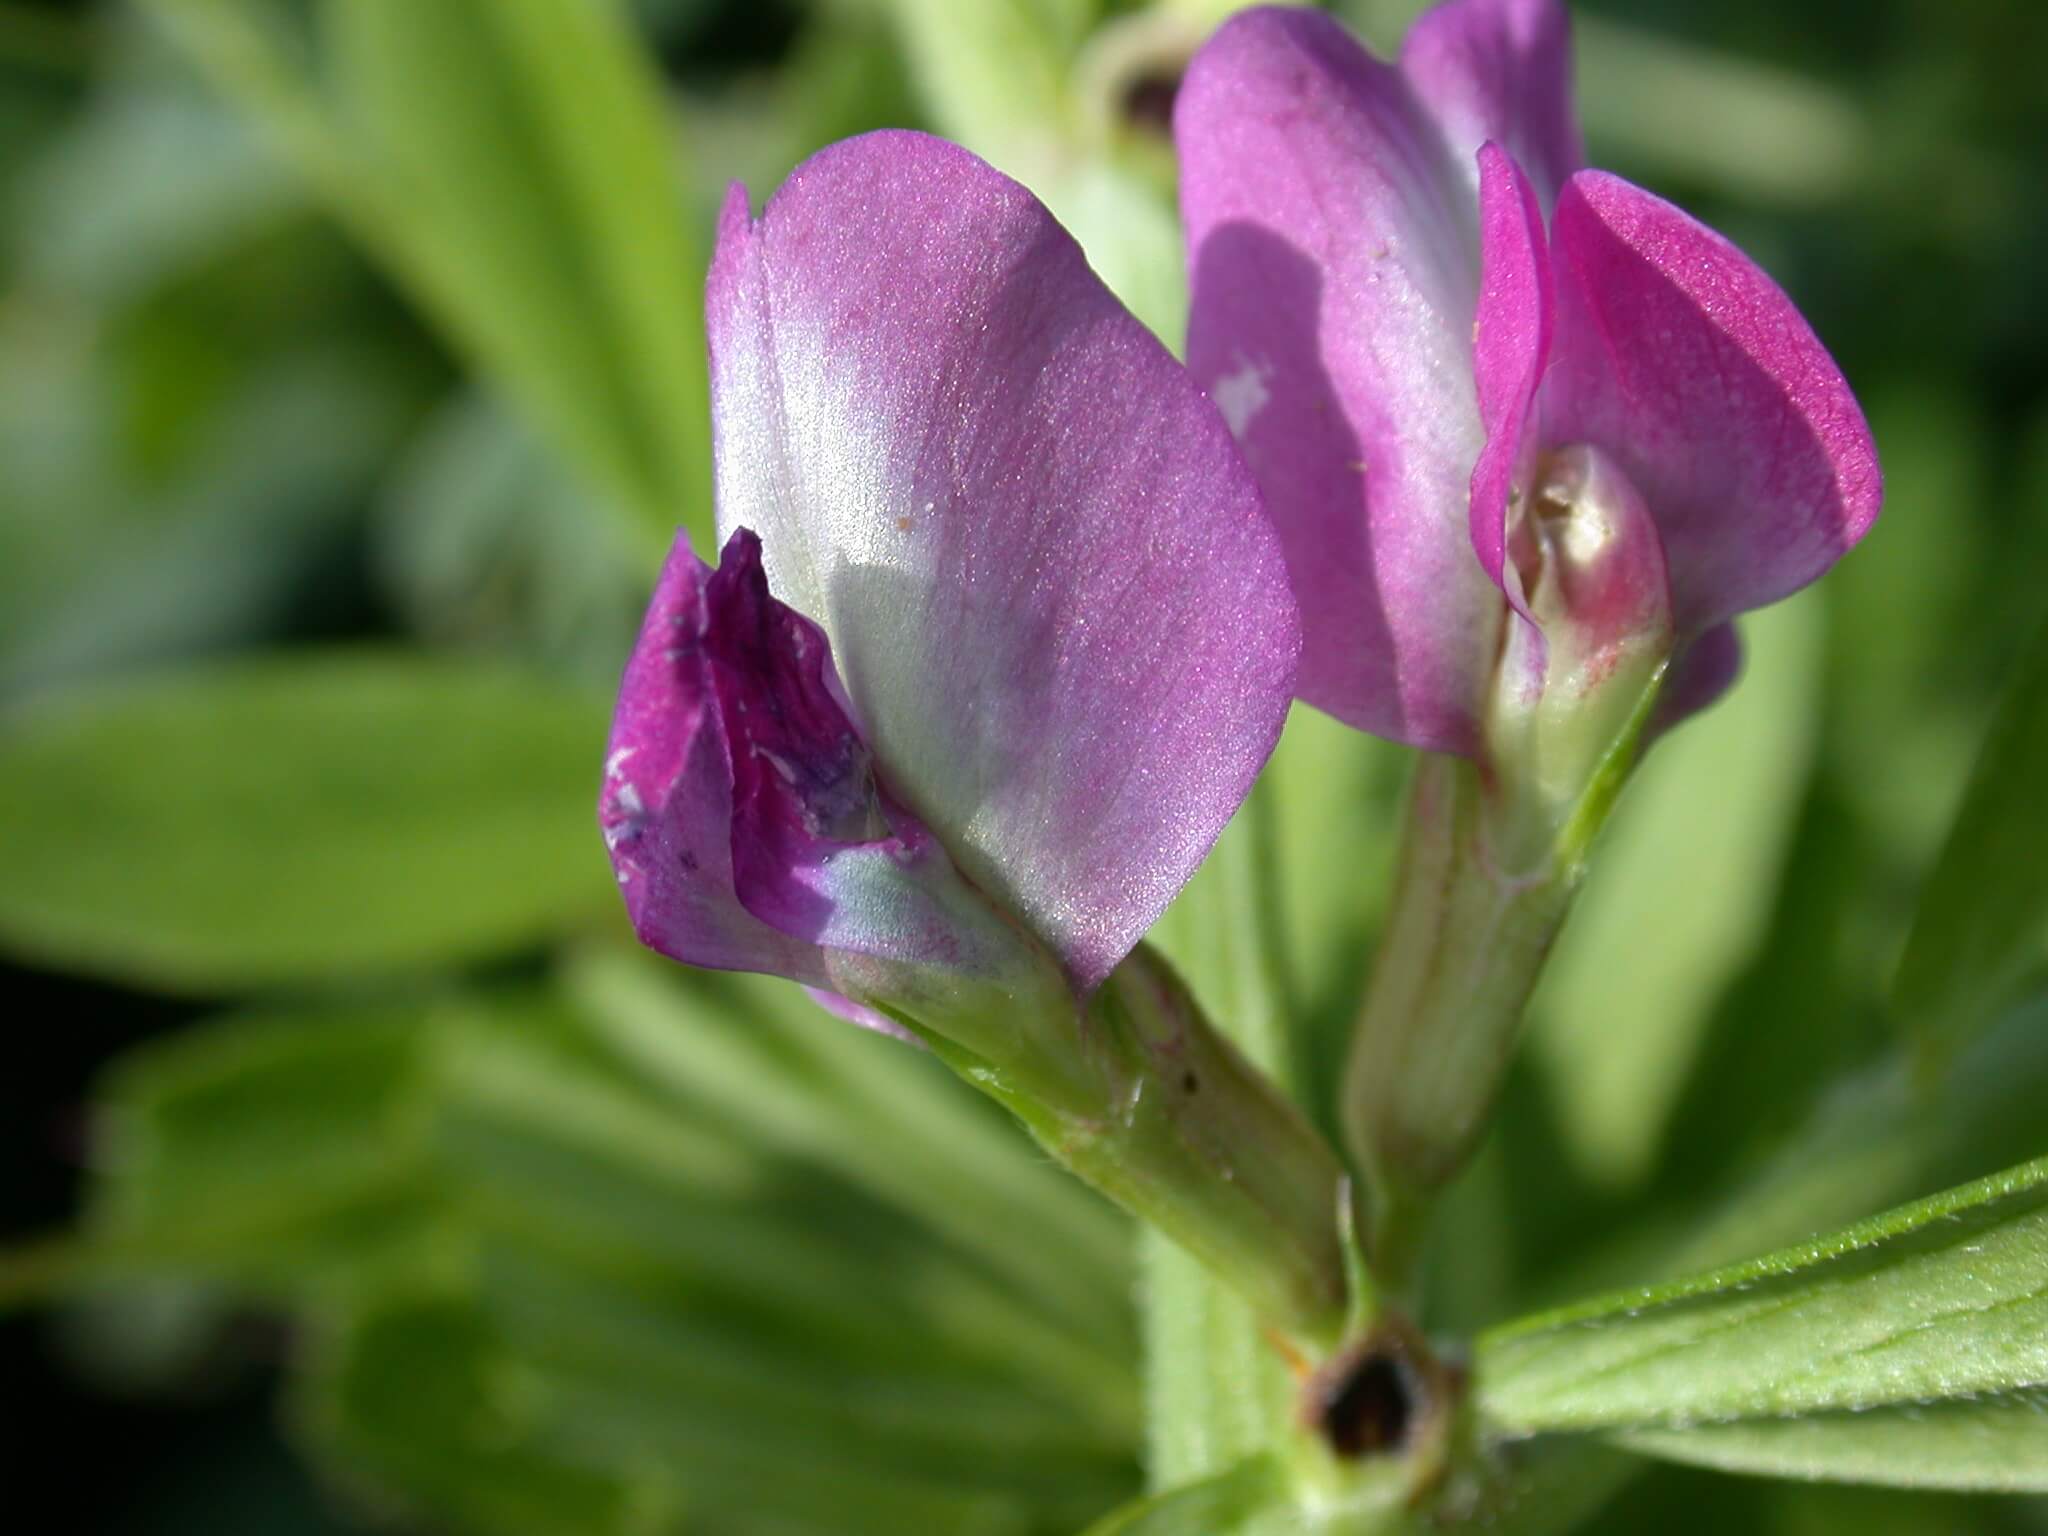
(1464, 945)
(1217, 1391)
(1157, 1110)
(1202, 1144)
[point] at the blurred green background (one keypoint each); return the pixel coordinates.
(350, 385)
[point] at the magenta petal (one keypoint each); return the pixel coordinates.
(1500, 70)
(1334, 263)
(1699, 675)
(1678, 356)
(667, 805)
(859, 1013)
(816, 851)
(1060, 617)
(740, 806)
(1510, 346)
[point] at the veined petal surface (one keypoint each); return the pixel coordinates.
(744, 820)
(1333, 247)
(1510, 348)
(667, 805)
(1059, 614)
(1500, 70)
(1676, 354)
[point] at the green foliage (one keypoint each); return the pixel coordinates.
(1619, 1022)
(297, 818)
(1982, 927)
(1229, 1502)
(1939, 1302)
(547, 1290)
(1995, 1442)
(278, 1146)
(510, 163)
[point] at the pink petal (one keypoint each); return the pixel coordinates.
(1061, 619)
(1334, 258)
(859, 1013)
(1699, 675)
(1500, 70)
(1510, 346)
(667, 805)
(744, 821)
(1676, 355)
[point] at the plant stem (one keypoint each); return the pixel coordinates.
(1464, 945)
(1208, 1149)
(1217, 1391)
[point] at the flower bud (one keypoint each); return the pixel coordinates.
(1577, 675)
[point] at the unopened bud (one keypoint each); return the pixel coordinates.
(1574, 686)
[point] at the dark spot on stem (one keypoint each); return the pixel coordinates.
(1190, 1082)
(1369, 1405)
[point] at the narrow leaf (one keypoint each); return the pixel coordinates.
(511, 165)
(1941, 1299)
(1884, 1136)
(1982, 925)
(1216, 1506)
(296, 818)
(251, 1129)
(550, 1146)
(1992, 1444)
(416, 1398)
(433, 1400)
(524, 143)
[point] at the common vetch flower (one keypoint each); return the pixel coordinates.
(1439, 339)
(1000, 636)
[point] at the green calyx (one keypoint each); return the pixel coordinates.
(1496, 846)
(1155, 1108)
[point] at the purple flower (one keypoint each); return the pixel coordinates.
(1434, 334)
(1000, 637)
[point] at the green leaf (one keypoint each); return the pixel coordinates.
(525, 145)
(759, 1056)
(225, 555)
(994, 75)
(297, 818)
(510, 161)
(156, 182)
(1222, 1505)
(635, 1369)
(416, 1396)
(508, 1423)
(247, 1130)
(1996, 1443)
(1884, 1136)
(1982, 925)
(1941, 1299)
(486, 542)
(281, 1155)
(550, 1145)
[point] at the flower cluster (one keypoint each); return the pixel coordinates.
(1438, 338)
(1475, 449)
